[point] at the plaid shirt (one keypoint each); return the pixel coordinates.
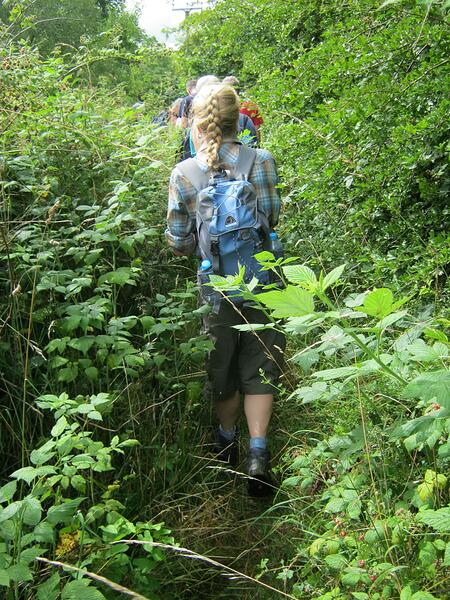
(181, 222)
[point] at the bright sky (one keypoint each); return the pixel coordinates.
(156, 15)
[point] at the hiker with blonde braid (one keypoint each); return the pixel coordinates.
(223, 205)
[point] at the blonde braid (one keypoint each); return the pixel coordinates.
(213, 133)
(216, 114)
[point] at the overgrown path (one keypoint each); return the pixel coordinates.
(104, 433)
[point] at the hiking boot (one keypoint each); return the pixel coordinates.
(225, 450)
(260, 482)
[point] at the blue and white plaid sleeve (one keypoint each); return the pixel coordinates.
(264, 178)
(181, 214)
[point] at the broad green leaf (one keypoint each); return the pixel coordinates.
(316, 546)
(84, 409)
(430, 386)
(4, 578)
(20, 573)
(84, 459)
(306, 359)
(63, 513)
(9, 511)
(332, 277)
(71, 323)
(336, 561)
(351, 579)
(59, 427)
(83, 344)
(78, 482)
(427, 554)
(68, 373)
(265, 257)
(95, 415)
(406, 593)
(291, 481)
(120, 276)
(377, 303)
(26, 474)
(354, 509)
(49, 590)
(91, 373)
(446, 562)
(335, 505)
(328, 374)
(92, 256)
(391, 319)
(310, 393)
(290, 302)
(80, 589)
(7, 491)
(147, 322)
(40, 456)
(435, 479)
(32, 511)
(129, 443)
(421, 352)
(28, 555)
(302, 325)
(354, 300)
(437, 519)
(425, 491)
(43, 532)
(101, 398)
(301, 275)
(57, 344)
(423, 596)
(58, 361)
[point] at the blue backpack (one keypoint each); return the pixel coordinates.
(230, 227)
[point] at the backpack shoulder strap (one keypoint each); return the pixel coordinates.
(245, 161)
(190, 169)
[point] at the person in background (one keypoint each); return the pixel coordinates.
(206, 80)
(186, 103)
(248, 107)
(174, 112)
(239, 358)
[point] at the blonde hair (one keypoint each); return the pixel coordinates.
(231, 80)
(206, 80)
(216, 113)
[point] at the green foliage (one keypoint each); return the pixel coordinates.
(66, 463)
(365, 347)
(355, 112)
(84, 326)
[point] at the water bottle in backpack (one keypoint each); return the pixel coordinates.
(207, 292)
(275, 245)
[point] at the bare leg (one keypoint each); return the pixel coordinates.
(227, 411)
(258, 410)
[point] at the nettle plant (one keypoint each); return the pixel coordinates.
(97, 338)
(386, 533)
(51, 510)
(91, 335)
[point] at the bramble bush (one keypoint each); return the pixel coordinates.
(370, 500)
(90, 331)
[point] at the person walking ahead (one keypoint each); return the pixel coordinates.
(241, 361)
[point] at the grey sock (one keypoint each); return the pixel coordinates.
(228, 434)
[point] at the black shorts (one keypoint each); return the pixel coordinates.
(247, 361)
